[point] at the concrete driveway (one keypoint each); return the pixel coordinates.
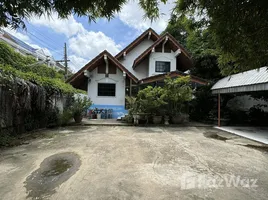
(135, 163)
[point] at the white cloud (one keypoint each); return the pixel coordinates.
(133, 15)
(77, 62)
(83, 44)
(69, 26)
(89, 44)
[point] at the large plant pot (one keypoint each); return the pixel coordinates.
(157, 119)
(99, 116)
(166, 118)
(78, 118)
(136, 118)
(177, 119)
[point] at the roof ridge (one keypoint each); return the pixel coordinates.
(91, 62)
(136, 40)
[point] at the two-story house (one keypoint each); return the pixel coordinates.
(147, 60)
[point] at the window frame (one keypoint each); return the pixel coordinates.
(98, 92)
(160, 71)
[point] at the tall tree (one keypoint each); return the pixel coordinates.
(238, 28)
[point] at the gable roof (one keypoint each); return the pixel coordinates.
(174, 45)
(172, 74)
(154, 36)
(79, 77)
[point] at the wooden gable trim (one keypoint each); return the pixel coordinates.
(152, 47)
(137, 41)
(172, 75)
(91, 65)
(81, 71)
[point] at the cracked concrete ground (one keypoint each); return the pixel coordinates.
(137, 163)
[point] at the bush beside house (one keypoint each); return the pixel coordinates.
(157, 103)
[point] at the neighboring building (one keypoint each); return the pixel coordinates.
(25, 49)
(147, 60)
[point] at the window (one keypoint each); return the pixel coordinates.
(106, 89)
(161, 66)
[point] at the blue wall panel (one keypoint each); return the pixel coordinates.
(118, 110)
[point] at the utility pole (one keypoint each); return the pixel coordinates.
(65, 60)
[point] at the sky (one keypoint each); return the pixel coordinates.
(84, 39)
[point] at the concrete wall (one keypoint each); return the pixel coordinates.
(159, 56)
(140, 71)
(117, 78)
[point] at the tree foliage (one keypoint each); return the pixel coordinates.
(150, 99)
(169, 99)
(238, 29)
(14, 65)
(12, 13)
(80, 105)
(197, 39)
(178, 91)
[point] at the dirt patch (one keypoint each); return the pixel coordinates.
(53, 171)
(215, 136)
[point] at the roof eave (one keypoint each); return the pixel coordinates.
(172, 74)
(94, 60)
(160, 39)
(137, 41)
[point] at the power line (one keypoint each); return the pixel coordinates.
(45, 42)
(43, 35)
(48, 47)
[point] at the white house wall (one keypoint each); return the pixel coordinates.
(117, 78)
(142, 69)
(159, 56)
(127, 62)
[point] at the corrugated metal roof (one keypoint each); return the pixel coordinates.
(252, 80)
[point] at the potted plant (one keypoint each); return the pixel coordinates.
(178, 92)
(79, 107)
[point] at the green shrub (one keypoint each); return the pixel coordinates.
(203, 105)
(178, 91)
(65, 117)
(150, 99)
(5, 139)
(80, 106)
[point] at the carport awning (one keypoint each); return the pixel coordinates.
(249, 81)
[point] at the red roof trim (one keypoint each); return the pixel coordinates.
(136, 42)
(90, 65)
(172, 74)
(147, 51)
